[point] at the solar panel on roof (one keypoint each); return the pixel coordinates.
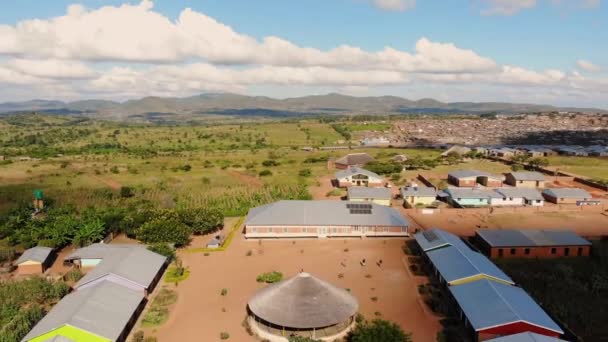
(360, 211)
(429, 235)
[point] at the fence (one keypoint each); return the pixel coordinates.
(505, 210)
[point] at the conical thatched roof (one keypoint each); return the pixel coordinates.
(303, 302)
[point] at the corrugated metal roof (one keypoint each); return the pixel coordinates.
(103, 310)
(567, 193)
(355, 159)
(528, 176)
(421, 191)
(436, 238)
(531, 238)
(39, 254)
(526, 193)
(471, 193)
(318, 213)
(367, 192)
(489, 304)
(354, 170)
(525, 337)
(132, 262)
(472, 173)
(455, 263)
(454, 259)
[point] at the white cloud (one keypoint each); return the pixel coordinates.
(395, 5)
(587, 66)
(148, 54)
(505, 7)
(53, 69)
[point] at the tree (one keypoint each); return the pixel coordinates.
(202, 220)
(163, 249)
(516, 167)
(453, 158)
(89, 232)
(164, 229)
(538, 162)
(378, 330)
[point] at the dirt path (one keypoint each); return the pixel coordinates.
(201, 313)
(319, 192)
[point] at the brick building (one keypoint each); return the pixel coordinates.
(512, 243)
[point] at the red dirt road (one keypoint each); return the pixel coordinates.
(201, 313)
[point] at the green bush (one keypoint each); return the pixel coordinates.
(378, 330)
(224, 335)
(265, 173)
(126, 192)
(270, 277)
(164, 229)
(73, 275)
(305, 173)
(163, 249)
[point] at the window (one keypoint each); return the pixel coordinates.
(513, 251)
(566, 251)
(527, 251)
(580, 251)
(500, 252)
(553, 250)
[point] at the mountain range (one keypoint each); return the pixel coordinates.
(242, 105)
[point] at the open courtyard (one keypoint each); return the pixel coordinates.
(388, 291)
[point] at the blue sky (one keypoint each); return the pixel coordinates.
(536, 36)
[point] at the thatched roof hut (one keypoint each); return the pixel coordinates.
(303, 302)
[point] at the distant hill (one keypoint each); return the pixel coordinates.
(241, 105)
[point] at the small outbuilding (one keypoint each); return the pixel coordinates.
(525, 179)
(569, 196)
(380, 196)
(418, 195)
(35, 260)
(470, 178)
(353, 159)
(302, 306)
(531, 243)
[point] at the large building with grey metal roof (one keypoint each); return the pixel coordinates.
(132, 266)
(531, 243)
(454, 262)
(324, 219)
(492, 309)
(102, 313)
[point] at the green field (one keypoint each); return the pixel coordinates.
(584, 166)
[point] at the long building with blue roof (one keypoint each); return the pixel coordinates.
(454, 262)
(493, 309)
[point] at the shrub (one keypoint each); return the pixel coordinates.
(114, 169)
(224, 335)
(269, 163)
(126, 192)
(73, 275)
(301, 339)
(249, 253)
(270, 277)
(150, 339)
(305, 173)
(163, 249)
(138, 336)
(265, 173)
(378, 330)
(224, 292)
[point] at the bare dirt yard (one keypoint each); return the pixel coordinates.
(202, 313)
(466, 221)
(324, 186)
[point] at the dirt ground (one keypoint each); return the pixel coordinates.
(319, 192)
(466, 222)
(201, 313)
